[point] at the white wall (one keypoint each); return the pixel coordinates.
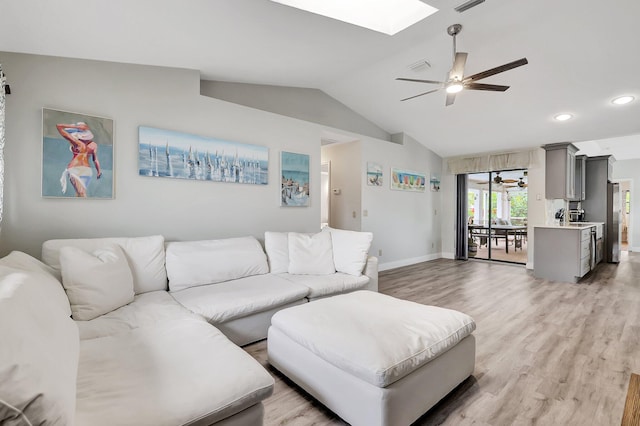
(345, 176)
(630, 169)
(141, 95)
(404, 224)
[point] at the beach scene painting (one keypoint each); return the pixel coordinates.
(294, 169)
(77, 155)
(404, 180)
(435, 182)
(171, 154)
(374, 174)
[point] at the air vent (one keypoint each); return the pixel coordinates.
(420, 65)
(468, 5)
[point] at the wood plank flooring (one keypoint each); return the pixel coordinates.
(631, 415)
(548, 353)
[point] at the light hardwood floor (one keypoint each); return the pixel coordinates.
(548, 353)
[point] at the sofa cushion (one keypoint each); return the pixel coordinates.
(181, 372)
(223, 302)
(54, 292)
(350, 250)
(375, 337)
(196, 263)
(276, 244)
(146, 310)
(327, 285)
(144, 254)
(38, 350)
(310, 254)
(96, 283)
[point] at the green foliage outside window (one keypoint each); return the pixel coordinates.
(519, 204)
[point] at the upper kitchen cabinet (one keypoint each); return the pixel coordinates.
(580, 178)
(560, 171)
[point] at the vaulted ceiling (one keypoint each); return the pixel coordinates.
(582, 53)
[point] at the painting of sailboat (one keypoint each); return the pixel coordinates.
(167, 153)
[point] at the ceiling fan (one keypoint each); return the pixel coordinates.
(498, 180)
(520, 184)
(456, 81)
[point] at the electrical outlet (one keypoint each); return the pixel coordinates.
(379, 252)
(433, 245)
(365, 213)
(353, 214)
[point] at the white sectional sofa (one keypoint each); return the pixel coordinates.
(143, 332)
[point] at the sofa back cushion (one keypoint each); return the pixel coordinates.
(195, 263)
(145, 256)
(350, 250)
(276, 244)
(38, 351)
(96, 283)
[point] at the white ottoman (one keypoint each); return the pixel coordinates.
(371, 358)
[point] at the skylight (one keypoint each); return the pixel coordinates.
(385, 16)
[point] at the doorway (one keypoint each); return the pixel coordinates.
(497, 215)
(325, 194)
(625, 216)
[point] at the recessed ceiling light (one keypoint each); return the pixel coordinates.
(385, 16)
(563, 117)
(621, 100)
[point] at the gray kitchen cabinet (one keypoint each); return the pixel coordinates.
(560, 166)
(580, 181)
(563, 253)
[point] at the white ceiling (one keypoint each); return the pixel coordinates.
(581, 54)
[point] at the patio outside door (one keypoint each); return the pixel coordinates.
(497, 215)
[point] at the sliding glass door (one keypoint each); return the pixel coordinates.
(497, 215)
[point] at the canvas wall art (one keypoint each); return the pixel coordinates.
(77, 155)
(294, 171)
(374, 174)
(404, 180)
(171, 154)
(435, 182)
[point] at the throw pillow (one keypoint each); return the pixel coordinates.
(96, 283)
(350, 250)
(310, 254)
(276, 245)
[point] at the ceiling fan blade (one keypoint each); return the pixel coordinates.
(420, 81)
(451, 97)
(457, 70)
(497, 70)
(421, 94)
(489, 87)
(510, 180)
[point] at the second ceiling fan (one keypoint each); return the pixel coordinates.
(457, 81)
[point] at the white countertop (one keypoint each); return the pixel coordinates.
(572, 225)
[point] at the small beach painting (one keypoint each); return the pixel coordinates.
(77, 155)
(170, 154)
(404, 180)
(374, 174)
(294, 170)
(435, 182)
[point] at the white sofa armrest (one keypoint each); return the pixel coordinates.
(371, 271)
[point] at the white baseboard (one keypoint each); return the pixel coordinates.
(406, 262)
(636, 249)
(451, 256)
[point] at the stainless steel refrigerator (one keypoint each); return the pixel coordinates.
(613, 223)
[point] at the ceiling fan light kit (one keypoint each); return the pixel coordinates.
(457, 82)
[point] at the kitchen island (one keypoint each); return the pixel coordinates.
(566, 252)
